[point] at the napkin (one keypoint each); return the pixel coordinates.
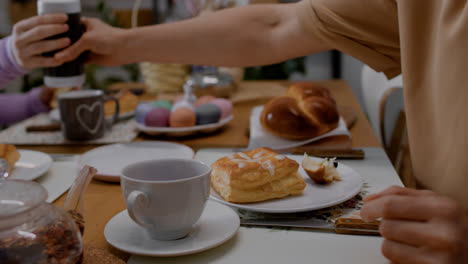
(59, 178)
(123, 131)
(259, 137)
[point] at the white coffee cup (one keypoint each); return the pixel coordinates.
(167, 196)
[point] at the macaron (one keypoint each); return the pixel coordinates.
(163, 103)
(157, 117)
(182, 117)
(204, 100)
(207, 114)
(225, 106)
(141, 111)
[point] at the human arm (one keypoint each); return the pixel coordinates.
(17, 107)
(9, 68)
(22, 50)
(244, 36)
(419, 226)
(29, 40)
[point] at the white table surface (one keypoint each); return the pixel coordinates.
(262, 245)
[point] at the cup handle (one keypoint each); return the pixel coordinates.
(117, 107)
(135, 201)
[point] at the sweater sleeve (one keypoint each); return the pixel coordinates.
(366, 30)
(16, 107)
(9, 68)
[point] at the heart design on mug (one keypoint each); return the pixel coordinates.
(81, 108)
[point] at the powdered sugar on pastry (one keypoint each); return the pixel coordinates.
(259, 158)
(280, 157)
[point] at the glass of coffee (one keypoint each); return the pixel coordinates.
(69, 74)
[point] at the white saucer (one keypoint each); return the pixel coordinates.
(31, 165)
(217, 224)
(111, 159)
(184, 131)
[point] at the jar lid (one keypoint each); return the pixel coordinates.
(207, 80)
(18, 196)
(58, 6)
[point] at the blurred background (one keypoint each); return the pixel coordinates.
(326, 65)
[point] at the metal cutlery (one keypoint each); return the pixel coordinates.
(351, 153)
(341, 226)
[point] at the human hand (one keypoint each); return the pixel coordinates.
(46, 95)
(101, 40)
(29, 40)
(419, 226)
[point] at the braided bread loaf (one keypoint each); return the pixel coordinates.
(306, 111)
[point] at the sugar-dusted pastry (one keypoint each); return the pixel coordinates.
(321, 172)
(257, 175)
(128, 102)
(10, 154)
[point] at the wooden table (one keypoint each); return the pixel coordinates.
(104, 200)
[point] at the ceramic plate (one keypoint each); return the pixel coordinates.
(184, 131)
(217, 224)
(314, 197)
(111, 159)
(55, 115)
(31, 165)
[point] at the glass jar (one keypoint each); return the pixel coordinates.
(34, 231)
(207, 80)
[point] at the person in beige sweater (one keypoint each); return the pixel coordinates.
(424, 40)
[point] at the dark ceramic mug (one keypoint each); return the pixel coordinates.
(82, 114)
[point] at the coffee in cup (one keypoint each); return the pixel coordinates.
(82, 114)
(167, 196)
(69, 74)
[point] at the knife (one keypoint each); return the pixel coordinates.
(349, 226)
(352, 153)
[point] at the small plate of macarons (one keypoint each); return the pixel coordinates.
(185, 116)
